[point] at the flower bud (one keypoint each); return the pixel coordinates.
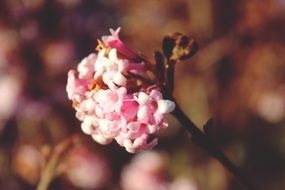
(179, 47)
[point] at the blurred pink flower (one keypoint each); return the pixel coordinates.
(105, 101)
(10, 89)
(146, 171)
(183, 183)
(28, 163)
(57, 55)
(85, 169)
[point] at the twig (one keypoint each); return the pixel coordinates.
(49, 171)
(204, 142)
(170, 70)
(141, 78)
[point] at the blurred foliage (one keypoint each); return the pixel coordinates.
(237, 78)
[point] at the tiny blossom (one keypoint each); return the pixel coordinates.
(113, 41)
(112, 103)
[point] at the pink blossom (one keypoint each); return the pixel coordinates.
(113, 41)
(75, 87)
(78, 80)
(111, 68)
(146, 171)
(183, 183)
(86, 67)
(153, 107)
(150, 112)
(80, 167)
(112, 105)
(28, 163)
(105, 122)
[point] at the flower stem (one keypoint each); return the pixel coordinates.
(142, 78)
(204, 142)
(49, 171)
(170, 70)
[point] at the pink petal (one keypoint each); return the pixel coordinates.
(129, 109)
(156, 95)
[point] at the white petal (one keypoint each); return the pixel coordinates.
(113, 55)
(128, 144)
(119, 79)
(142, 113)
(105, 125)
(86, 125)
(143, 98)
(80, 115)
(122, 65)
(116, 32)
(82, 66)
(151, 129)
(165, 106)
(101, 139)
(89, 105)
(138, 142)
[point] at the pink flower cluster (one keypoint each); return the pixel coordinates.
(110, 104)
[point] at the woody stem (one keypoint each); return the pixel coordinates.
(49, 171)
(200, 139)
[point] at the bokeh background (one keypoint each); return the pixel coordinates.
(237, 78)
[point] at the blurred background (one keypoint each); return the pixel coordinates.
(237, 78)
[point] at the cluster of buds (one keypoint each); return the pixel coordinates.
(116, 96)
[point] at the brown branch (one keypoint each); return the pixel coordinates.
(170, 70)
(49, 171)
(141, 78)
(205, 143)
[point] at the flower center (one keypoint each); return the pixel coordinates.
(97, 84)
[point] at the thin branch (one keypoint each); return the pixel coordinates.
(141, 78)
(204, 142)
(49, 171)
(170, 70)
